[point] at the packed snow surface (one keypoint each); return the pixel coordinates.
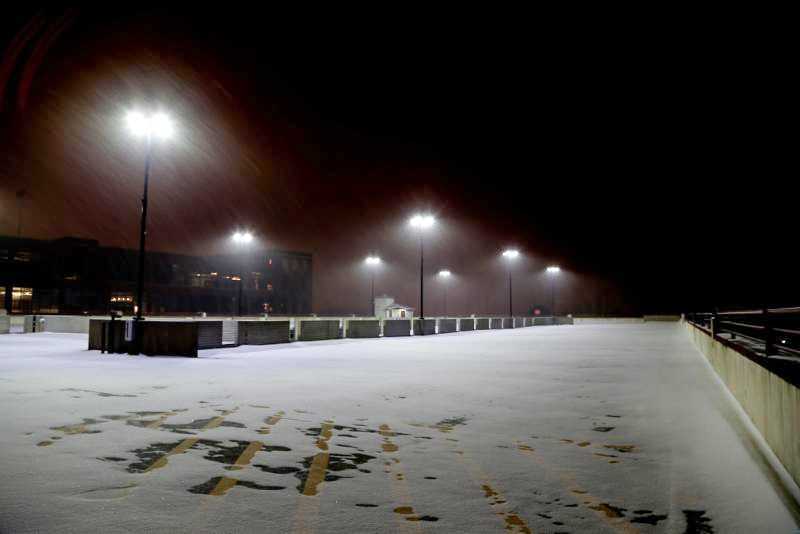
(596, 428)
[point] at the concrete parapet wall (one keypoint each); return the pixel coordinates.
(396, 327)
(65, 324)
(771, 403)
(263, 332)
(360, 328)
(5, 324)
(209, 334)
(447, 326)
(542, 321)
(315, 330)
(608, 320)
(662, 318)
(425, 327)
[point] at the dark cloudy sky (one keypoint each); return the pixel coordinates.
(641, 161)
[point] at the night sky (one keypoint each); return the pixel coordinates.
(644, 162)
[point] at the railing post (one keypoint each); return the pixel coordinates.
(769, 334)
(714, 323)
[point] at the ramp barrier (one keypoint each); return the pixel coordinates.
(359, 328)
(263, 332)
(164, 338)
(465, 325)
(316, 330)
(447, 326)
(396, 327)
(209, 334)
(425, 327)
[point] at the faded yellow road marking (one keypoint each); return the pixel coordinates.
(271, 421)
(406, 515)
(512, 521)
(158, 422)
(223, 486)
(216, 421)
(307, 512)
(587, 500)
(182, 447)
(247, 454)
(241, 462)
(316, 473)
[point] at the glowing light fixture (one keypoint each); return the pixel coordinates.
(511, 253)
(156, 125)
(444, 273)
(553, 269)
(372, 260)
(242, 237)
(422, 221)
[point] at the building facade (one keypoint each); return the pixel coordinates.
(387, 308)
(79, 276)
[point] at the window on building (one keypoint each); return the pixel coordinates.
(21, 299)
(23, 255)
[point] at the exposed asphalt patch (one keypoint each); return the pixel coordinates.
(98, 393)
(149, 455)
(198, 424)
(697, 522)
(282, 470)
(336, 463)
(207, 487)
(651, 519)
(228, 454)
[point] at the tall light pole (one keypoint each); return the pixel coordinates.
(241, 239)
(510, 255)
(372, 263)
(421, 222)
(553, 271)
(156, 125)
(444, 274)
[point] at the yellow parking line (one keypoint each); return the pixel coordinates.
(595, 504)
(247, 454)
(182, 447)
(316, 473)
(241, 462)
(223, 486)
(512, 522)
(158, 422)
(271, 421)
(214, 423)
(407, 517)
(307, 512)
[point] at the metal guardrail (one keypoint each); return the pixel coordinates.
(775, 330)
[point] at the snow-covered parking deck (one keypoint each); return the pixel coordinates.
(597, 428)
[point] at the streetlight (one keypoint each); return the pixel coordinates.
(372, 263)
(147, 126)
(553, 271)
(444, 274)
(510, 255)
(421, 222)
(241, 239)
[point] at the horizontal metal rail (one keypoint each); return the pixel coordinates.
(776, 329)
